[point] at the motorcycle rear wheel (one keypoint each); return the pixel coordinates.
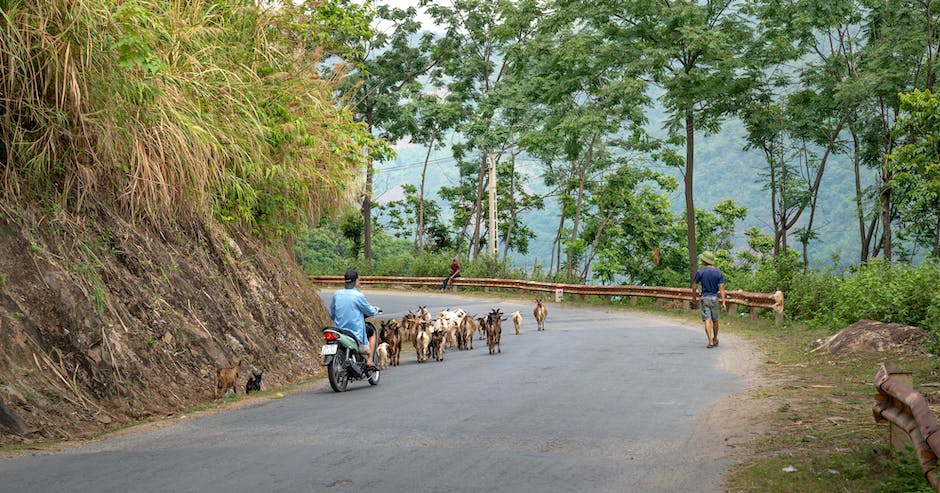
(337, 373)
(375, 377)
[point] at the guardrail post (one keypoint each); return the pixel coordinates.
(633, 300)
(732, 309)
(778, 308)
(754, 313)
(898, 438)
(911, 422)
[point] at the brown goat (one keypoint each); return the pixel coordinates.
(517, 321)
(481, 323)
(438, 341)
(540, 313)
(225, 379)
(422, 340)
(465, 334)
(409, 324)
(391, 334)
(424, 314)
(494, 329)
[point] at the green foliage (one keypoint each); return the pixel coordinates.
(916, 168)
(173, 107)
(487, 266)
(878, 290)
(899, 293)
(906, 475)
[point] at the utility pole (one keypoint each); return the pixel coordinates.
(493, 236)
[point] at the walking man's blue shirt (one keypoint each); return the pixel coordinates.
(347, 309)
(710, 277)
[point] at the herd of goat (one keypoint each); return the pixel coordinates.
(453, 328)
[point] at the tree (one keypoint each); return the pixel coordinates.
(797, 133)
(589, 110)
(434, 115)
(479, 38)
(377, 80)
(915, 165)
(626, 223)
(696, 52)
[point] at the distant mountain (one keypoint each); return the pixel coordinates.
(723, 170)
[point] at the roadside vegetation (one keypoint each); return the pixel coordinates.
(269, 118)
(822, 436)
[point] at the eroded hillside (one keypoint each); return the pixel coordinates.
(103, 322)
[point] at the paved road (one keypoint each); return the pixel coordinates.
(600, 401)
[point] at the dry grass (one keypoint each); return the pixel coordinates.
(172, 107)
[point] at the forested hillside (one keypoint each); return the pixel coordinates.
(617, 129)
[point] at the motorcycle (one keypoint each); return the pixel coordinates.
(343, 361)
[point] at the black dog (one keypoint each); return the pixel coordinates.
(254, 383)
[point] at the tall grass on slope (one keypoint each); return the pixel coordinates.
(172, 106)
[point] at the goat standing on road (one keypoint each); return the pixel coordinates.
(540, 313)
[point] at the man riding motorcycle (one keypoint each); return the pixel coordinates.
(348, 309)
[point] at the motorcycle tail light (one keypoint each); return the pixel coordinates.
(329, 335)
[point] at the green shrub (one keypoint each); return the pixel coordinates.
(906, 475)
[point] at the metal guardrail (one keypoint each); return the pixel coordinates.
(911, 422)
(754, 301)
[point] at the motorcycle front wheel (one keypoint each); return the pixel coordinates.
(336, 372)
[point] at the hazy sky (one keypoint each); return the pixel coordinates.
(425, 20)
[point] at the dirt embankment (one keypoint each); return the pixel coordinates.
(103, 322)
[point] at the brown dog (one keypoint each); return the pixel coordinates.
(225, 379)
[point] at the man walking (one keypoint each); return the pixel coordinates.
(713, 287)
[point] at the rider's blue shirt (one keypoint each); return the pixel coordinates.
(347, 310)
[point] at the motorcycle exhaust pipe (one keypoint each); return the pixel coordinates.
(354, 367)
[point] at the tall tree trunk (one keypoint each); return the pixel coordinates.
(579, 202)
(556, 245)
(478, 210)
(936, 236)
(419, 234)
(513, 212)
(859, 207)
(886, 212)
(594, 244)
(367, 203)
(776, 203)
(814, 189)
(689, 202)
(869, 238)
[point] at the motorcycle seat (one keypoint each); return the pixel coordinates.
(343, 331)
(363, 348)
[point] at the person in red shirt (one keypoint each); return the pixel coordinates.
(454, 272)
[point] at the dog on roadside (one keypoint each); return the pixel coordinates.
(254, 383)
(225, 379)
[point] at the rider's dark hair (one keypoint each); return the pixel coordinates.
(350, 278)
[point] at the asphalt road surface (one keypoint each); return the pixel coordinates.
(601, 401)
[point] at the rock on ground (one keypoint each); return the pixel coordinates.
(873, 336)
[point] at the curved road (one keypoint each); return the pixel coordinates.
(600, 401)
